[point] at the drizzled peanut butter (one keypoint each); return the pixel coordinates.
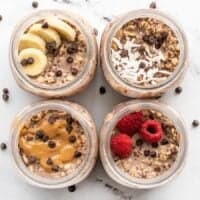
(55, 136)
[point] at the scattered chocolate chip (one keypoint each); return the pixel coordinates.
(5, 90)
(178, 90)
(72, 138)
(107, 19)
(49, 161)
(72, 49)
(95, 31)
(1, 17)
(35, 4)
(69, 119)
(158, 44)
(58, 73)
(164, 141)
(29, 138)
(142, 65)
(141, 49)
(72, 188)
(74, 71)
(32, 160)
(5, 97)
(157, 169)
(45, 138)
(51, 144)
(39, 134)
(70, 59)
(24, 62)
(102, 90)
(154, 145)
(55, 168)
(3, 146)
(124, 53)
(146, 153)
(69, 128)
(30, 61)
(139, 142)
(153, 5)
(77, 154)
(52, 119)
(153, 154)
(51, 48)
(45, 25)
(108, 185)
(195, 123)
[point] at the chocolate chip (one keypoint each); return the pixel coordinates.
(51, 144)
(5, 97)
(70, 59)
(178, 90)
(51, 48)
(195, 123)
(141, 49)
(52, 119)
(157, 169)
(5, 90)
(69, 128)
(146, 153)
(3, 146)
(69, 119)
(35, 4)
(55, 168)
(32, 160)
(124, 53)
(153, 5)
(58, 73)
(45, 25)
(77, 154)
(45, 138)
(49, 161)
(107, 19)
(74, 71)
(24, 62)
(72, 188)
(72, 49)
(39, 134)
(164, 141)
(102, 90)
(158, 44)
(72, 138)
(154, 145)
(142, 65)
(30, 61)
(153, 154)
(139, 142)
(1, 17)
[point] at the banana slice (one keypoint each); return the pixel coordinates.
(38, 61)
(63, 28)
(47, 34)
(30, 40)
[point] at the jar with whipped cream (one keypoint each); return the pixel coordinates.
(54, 143)
(143, 144)
(144, 53)
(53, 53)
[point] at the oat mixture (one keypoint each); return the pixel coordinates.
(52, 144)
(145, 52)
(151, 160)
(62, 53)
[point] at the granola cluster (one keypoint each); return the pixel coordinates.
(145, 52)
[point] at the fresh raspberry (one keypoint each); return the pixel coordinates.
(151, 131)
(121, 145)
(130, 123)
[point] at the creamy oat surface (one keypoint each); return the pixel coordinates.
(52, 144)
(149, 160)
(145, 52)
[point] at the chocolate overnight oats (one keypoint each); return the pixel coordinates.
(145, 144)
(52, 52)
(52, 144)
(145, 52)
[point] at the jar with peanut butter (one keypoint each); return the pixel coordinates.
(54, 143)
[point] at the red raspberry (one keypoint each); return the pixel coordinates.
(130, 123)
(121, 145)
(151, 131)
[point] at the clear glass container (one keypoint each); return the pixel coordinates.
(85, 120)
(74, 86)
(106, 157)
(137, 91)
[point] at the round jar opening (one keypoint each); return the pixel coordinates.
(146, 49)
(51, 50)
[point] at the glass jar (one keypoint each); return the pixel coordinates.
(113, 170)
(81, 81)
(139, 91)
(87, 123)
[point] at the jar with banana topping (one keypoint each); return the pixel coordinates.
(53, 53)
(54, 143)
(143, 53)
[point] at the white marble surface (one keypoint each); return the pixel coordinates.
(186, 186)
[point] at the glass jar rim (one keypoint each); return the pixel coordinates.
(26, 21)
(51, 183)
(118, 22)
(105, 152)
